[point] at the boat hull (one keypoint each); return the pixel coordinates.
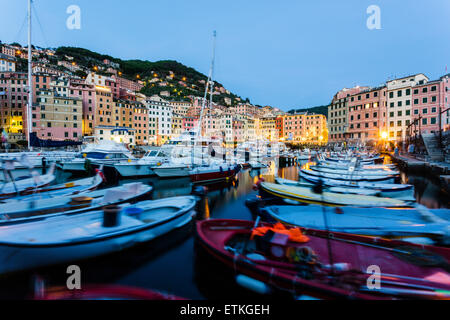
(19, 257)
(199, 176)
(134, 170)
(172, 172)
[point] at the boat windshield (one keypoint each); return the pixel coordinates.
(102, 155)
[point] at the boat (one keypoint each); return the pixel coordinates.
(26, 185)
(65, 238)
(213, 173)
(257, 165)
(355, 171)
(26, 161)
(307, 195)
(349, 176)
(37, 208)
(418, 225)
(170, 170)
(65, 189)
(327, 164)
(103, 292)
(315, 263)
(142, 167)
(344, 190)
(387, 190)
(105, 152)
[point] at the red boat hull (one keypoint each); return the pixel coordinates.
(212, 176)
(102, 292)
(284, 276)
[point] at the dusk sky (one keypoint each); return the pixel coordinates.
(287, 54)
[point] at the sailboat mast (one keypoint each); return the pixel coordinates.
(208, 83)
(205, 95)
(30, 85)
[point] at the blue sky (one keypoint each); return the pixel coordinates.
(286, 53)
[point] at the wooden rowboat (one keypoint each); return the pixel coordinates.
(272, 257)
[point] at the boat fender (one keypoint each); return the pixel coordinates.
(100, 173)
(253, 284)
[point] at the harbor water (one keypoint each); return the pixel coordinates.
(172, 263)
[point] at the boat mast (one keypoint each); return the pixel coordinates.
(208, 83)
(30, 85)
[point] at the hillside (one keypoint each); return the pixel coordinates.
(167, 76)
(319, 110)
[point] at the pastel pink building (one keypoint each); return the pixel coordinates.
(338, 114)
(367, 115)
(86, 93)
(429, 100)
(114, 86)
(189, 123)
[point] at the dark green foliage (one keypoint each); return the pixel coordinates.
(146, 69)
(318, 110)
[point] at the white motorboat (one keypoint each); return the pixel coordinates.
(410, 224)
(388, 190)
(141, 167)
(307, 195)
(64, 189)
(36, 208)
(353, 177)
(27, 185)
(105, 152)
(344, 190)
(65, 238)
(351, 170)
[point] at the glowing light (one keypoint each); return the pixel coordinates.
(384, 135)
